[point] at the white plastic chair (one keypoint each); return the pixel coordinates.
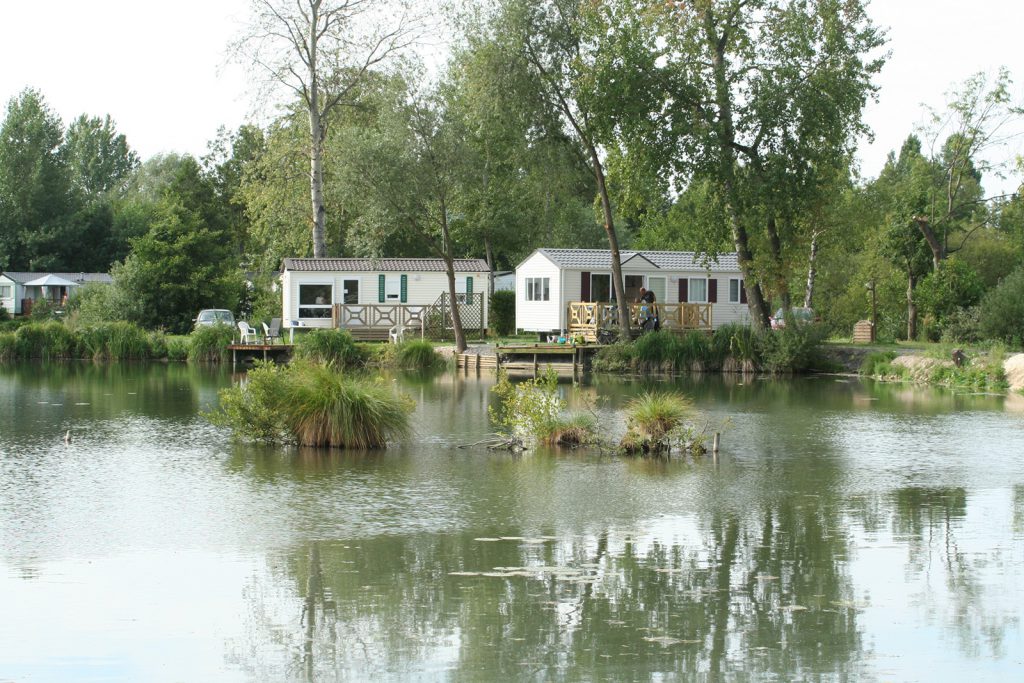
(248, 334)
(397, 334)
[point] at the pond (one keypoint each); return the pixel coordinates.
(848, 531)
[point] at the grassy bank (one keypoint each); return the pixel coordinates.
(981, 370)
(732, 348)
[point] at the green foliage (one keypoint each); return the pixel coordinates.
(117, 341)
(530, 409)
(209, 344)
(652, 419)
(49, 340)
(178, 347)
(417, 354)
(94, 303)
(617, 357)
(329, 347)
(4, 315)
(962, 326)
(877, 364)
(954, 286)
(313, 405)
(791, 349)
(575, 430)
(502, 312)
(656, 348)
(43, 310)
(984, 373)
(8, 347)
(1001, 313)
(737, 341)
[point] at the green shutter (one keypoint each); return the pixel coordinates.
(469, 289)
(380, 288)
(405, 288)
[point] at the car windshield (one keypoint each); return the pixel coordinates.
(215, 316)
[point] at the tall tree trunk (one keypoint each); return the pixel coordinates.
(811, 272)
(613, 243)
(316, 142)
(727, 167)
(775, 250)
(934, 243)
(449, 266)
(489, 253)
(911, 308)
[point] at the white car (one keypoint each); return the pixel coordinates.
(214, 316)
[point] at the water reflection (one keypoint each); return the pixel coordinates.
(849, 531)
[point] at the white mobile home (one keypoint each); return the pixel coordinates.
(549, 280)
(19, 290)
(375, 293)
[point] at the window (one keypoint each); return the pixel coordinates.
(315, 301)
(736, 290)
(698, 290)
(393, 288)
(538, 289)
(657, 285)
(601, 288)
(5, 291)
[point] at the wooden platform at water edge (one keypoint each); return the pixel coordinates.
(532, 359)
(247, 353)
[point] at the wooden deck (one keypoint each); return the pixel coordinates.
(586, 319)
(246, 353)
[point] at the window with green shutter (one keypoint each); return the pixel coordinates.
(404, 288)
(469, 289)
(380, 288)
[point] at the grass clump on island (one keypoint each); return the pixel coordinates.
(532, 412)
(976, 371)
(654, 422)
(313, 405)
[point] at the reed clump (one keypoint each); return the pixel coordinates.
(209, 344)
(652, 420)
(417, 354)
(313, 405)
(329, 347)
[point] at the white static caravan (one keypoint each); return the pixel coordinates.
(548, 280)
(17, 295)
(311, 287)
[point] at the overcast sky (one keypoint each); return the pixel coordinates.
(159, 68)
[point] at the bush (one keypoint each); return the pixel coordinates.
(4, 315)
(1001, 314)
(617, 357)
(209, 344)
(95, 302)
(877, 364)
(313, 405)
(42, 310)
(328, 347)
(735, 341)
(655, 348)
(962, 326)
(502, 312)
(955, 285)
(49, 340)
(791, 349)
(417, 354)
(115, 341)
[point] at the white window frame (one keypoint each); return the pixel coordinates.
(392, 288)
(664, 287)
(739, 289)
(323, 307)
(538, 289)
(689, 290)
(6, 291)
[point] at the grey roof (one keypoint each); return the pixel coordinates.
(379, 265)
(21, 277)
(578, 259)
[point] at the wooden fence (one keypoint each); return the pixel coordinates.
(585, 318)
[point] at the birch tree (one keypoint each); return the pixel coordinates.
(321, 52)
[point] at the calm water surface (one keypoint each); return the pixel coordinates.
(849, 531)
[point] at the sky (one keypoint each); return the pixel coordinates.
(160, 69)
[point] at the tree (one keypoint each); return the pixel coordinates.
(186, 261)
(409, 169)
(561, 41)
(35, 192)
(98, 157)
(322, 51)
(978, 120)
(762, 98)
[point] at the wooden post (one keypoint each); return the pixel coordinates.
(718, 438)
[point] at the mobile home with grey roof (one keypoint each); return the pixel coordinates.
(548, 280)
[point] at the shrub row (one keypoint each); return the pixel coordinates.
(731, 348)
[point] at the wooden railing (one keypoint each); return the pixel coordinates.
(585, 319)
(378, 316)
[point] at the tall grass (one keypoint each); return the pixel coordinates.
(578, 429)
(417, 354)
(209, 344)
(651, 419)
(46, 340)
(8, 347)
(313, 405)
(116, 341)
(328, 347)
